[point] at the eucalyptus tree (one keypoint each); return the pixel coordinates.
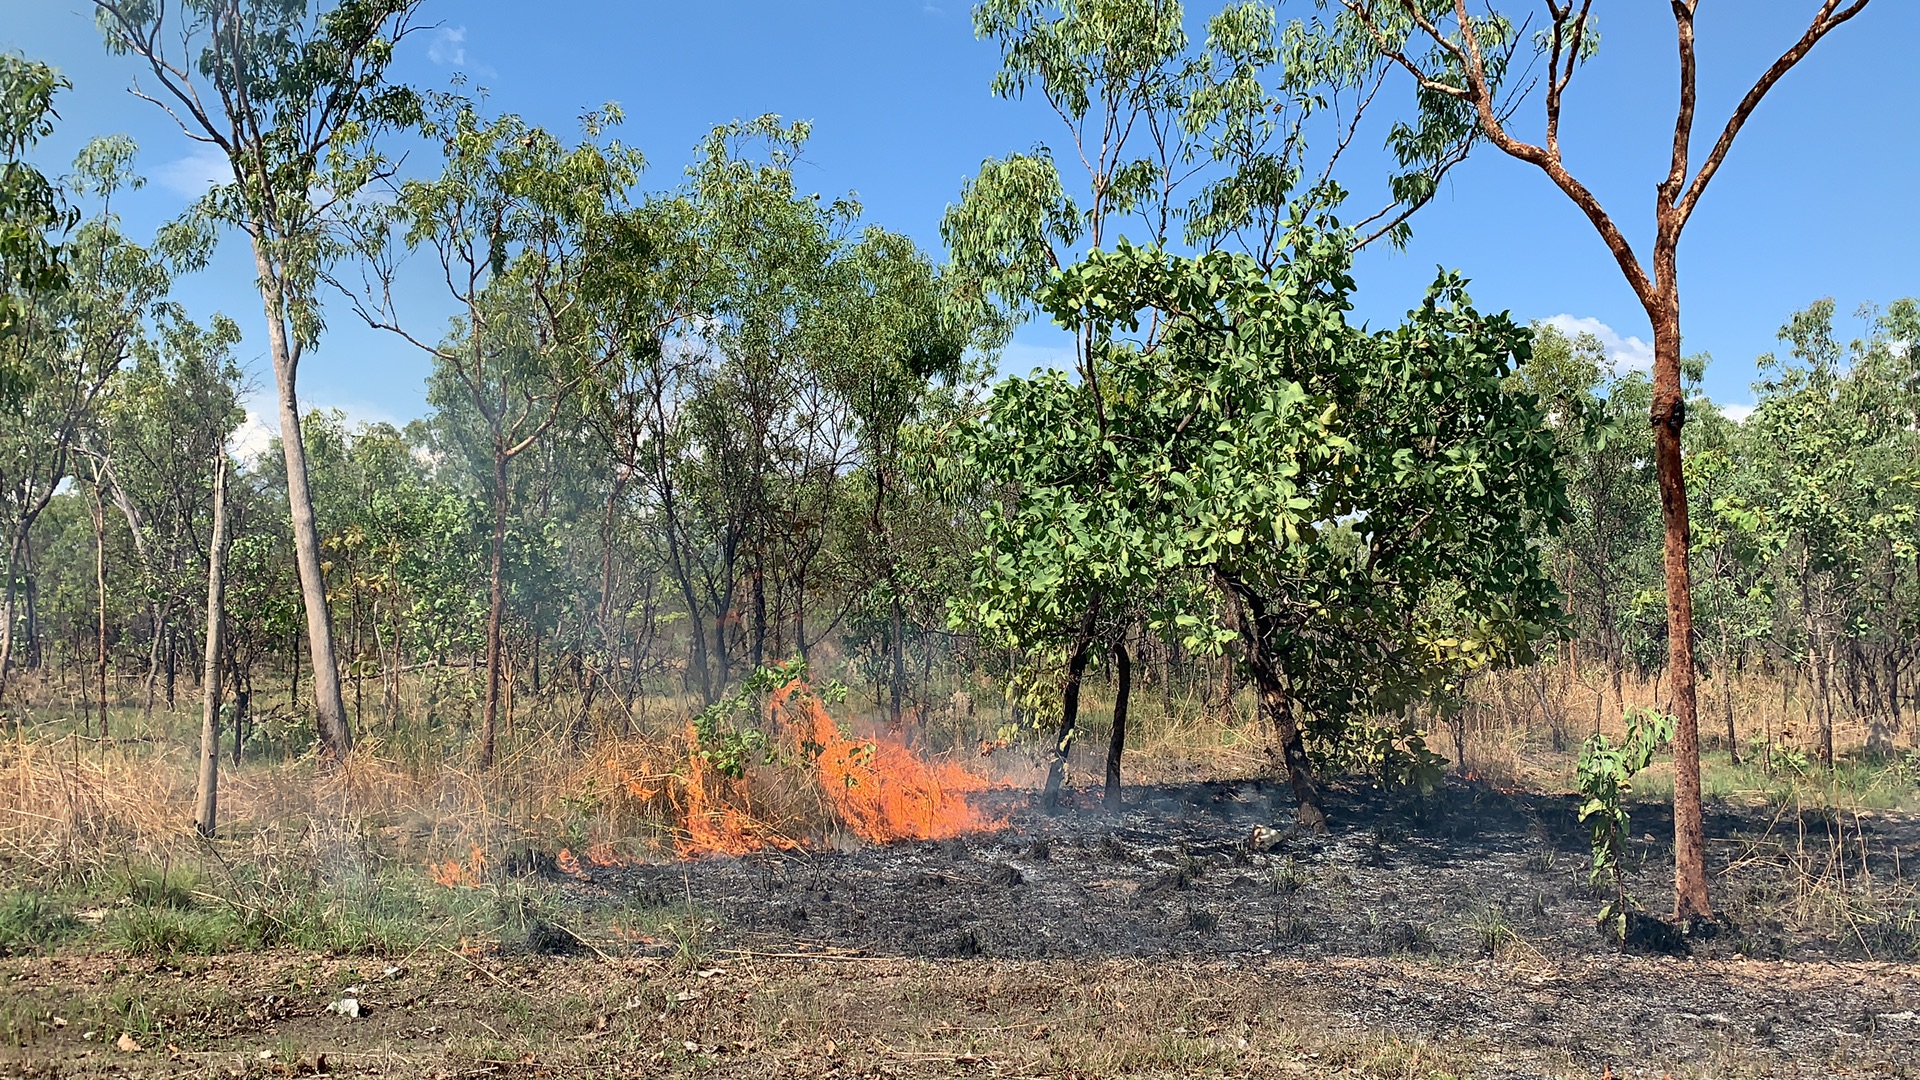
(1885, 371)
(887, 334)
(1833, 447)
(1369, 499)
(769, 437)
(507, 222)
(163, 426)
(771, 382)
(1732, 552)
(1601, 556)
(206, 802)
(70, 345)
(295, 99)
(32, 212)
(1118, 75)
(1451, 53)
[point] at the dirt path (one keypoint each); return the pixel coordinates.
(448, 1016)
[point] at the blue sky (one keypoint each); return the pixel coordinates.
(1812, 202)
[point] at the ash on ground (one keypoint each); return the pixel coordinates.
(1216, 869)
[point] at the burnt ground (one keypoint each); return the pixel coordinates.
(1418, 939)
(1466, 872)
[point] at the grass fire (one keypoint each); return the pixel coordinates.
(1006, 572)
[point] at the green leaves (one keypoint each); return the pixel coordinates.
(33, 215)
(1366, 493)
(296, 100)
(1605, 774)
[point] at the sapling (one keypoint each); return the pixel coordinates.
(1606, 775)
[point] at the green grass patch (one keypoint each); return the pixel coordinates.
(31, 921)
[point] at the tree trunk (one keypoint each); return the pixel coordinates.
(34, 659)
(1668, 415)
(759, 646)
(207, 799)
(100, 584)
(1726, 702)
(496, 606)
(293, 686)
(7, 602)
(1277, 703)
(899, 677)
(241, 679)
(329, 706)
(1822, 697)
(1892, 667)
(1117, 742)
(153, 658)
(1069, 708)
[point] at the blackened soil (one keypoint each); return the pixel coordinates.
(1216, 869)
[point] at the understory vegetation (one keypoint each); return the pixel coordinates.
(725, 533)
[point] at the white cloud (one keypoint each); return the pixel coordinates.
(252, 439)
(1736, 412)
(449, 46)
(190, 176)
(1626, 353)
(255, 435)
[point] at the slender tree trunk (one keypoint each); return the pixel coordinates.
(34, 659)
(899, 679)
(1069, 708)
(1726, 701)
(1117, 742)
(242, 702)
(496, 606)
(293, 659)
(7, 601)
(1668, 415)
(1892, 667)
(1822, 696)
(759, 644)
(697, 633)
(207, 799)
(1226, 686)
(100, 585)
(800, 614)
(329, 705)
(159, 622)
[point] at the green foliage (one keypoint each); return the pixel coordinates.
(32, 212)
(302, 99)
(1395, 754)
(1605, 774)
(727, 732)
(31, 920)
(1333, 479)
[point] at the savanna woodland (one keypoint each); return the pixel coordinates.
(736, 671)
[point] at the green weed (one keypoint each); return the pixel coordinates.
(31, 921)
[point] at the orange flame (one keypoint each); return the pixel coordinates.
(878, 789)
(881, 789)
(453, 874)
(714, 826)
